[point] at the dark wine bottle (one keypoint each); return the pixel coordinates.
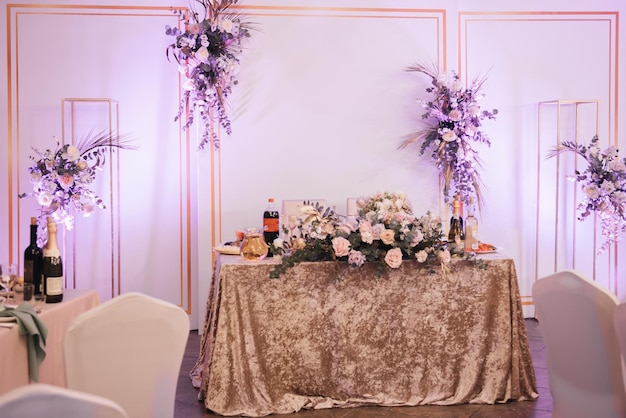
(52, 266)
(33, 260)
(270, 223)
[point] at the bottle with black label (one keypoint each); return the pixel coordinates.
(270, 223)
(33, 260)
(53, 281)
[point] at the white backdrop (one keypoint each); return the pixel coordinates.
(322, 106)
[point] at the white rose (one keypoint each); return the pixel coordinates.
(82, 165)
(188, 84)
(448, 136)
(227, 25)
(72, 153)
(421, 256)
(202, 54)
(44, 199)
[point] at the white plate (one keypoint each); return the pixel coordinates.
(486, 252)
(227, 249)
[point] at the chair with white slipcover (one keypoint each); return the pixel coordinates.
(129, 349)
(619, 320)
(582, 353)
(292, 207)
(39, 400)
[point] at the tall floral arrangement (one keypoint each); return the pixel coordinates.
(385, 232)
(207, 53)
(454, 121)
(62, 178)
(604, 185)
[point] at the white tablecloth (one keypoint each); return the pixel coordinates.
(57, 317)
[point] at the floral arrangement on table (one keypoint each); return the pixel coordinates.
(604, 184)
(454, 118)
(385, 232)
(62, 178)
(207, 53)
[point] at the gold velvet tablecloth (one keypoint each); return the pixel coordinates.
(410, 337)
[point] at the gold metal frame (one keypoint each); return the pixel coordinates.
(560, 105)
(114, 185)
(13, 12)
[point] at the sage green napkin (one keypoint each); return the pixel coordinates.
(36, 332)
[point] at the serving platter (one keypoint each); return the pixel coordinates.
(227, 249)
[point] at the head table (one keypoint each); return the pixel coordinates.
(328, 335)
(57, 317)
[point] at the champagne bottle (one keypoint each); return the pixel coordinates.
(52, 266)
(270, 223)
(471, 228)
(33, 260)
(456, 234)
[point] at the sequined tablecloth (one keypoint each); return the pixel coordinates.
(323, 336)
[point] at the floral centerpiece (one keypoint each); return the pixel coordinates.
(604, 185)
(207, 53)
(454, 118)
(62, 178)
(385, 232)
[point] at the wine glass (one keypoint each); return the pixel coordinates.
(8, 277)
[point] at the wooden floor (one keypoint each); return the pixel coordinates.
(188, 406)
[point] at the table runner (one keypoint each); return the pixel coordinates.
(411, 337)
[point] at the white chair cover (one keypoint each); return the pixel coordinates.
(583, 358)
(129, 349)
(351, 207)
(39, 400)
(619, 320)
(292, 207)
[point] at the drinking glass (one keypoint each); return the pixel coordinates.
(253, 247)
(8, 277)
(39, 301)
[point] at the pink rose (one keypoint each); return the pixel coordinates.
(66, 181)
(356, 258)
(387, 236)
(341, 246)
(194, 28)
(393, 258)
(365, 226)
(377, 229)
(455, 115)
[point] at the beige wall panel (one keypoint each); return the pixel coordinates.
(141, 241)
(530, 58)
